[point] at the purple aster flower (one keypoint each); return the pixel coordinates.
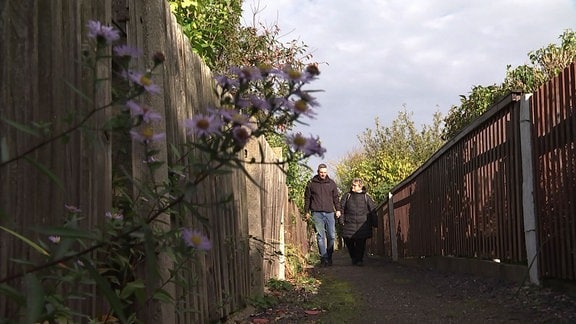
(116, 216)
(259, 103)
(280, 103)
(151, 159)
(247, 74)
(296, 76)
(301, 107)
(54, 239)
(242, 103)
(226, 82)
(203, 125)
(195, 239)
(150, 116)
(127, 51)
(241, 135)
(147, 114)
(234, 117)
(144, 80)
(102, 33)
(135, 109)
(146, 135)
(307, 145)
(314, 147)
(72, 209)
(266, 69)
(308, 98)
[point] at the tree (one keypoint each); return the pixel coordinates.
(390, 154)
(217, 36)
(471, 107)
(210, 25)
(545, 64)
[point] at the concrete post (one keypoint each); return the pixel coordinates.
(393, 239)
(282, 256)
(528, 208)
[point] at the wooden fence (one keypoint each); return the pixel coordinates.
(503, 190)
(41, 43)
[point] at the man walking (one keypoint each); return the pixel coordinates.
(322, 200)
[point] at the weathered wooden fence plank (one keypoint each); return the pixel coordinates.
(42, 43)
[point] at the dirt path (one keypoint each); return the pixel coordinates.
(386, 292)
(392, 293)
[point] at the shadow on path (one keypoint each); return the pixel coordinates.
(392, 293)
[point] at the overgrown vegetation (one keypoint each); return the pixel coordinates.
(218, 37)
(391, 153)
(545, 63)
(325, 300)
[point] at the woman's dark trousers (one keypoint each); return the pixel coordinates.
(356, 248)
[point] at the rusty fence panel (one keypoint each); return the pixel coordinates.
(554, 118)
(466, 200)
(380, 243)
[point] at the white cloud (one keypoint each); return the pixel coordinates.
(382, 54)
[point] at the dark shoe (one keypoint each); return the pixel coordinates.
(360, 263)
(354, 261)
(323, 263)
(330, 262)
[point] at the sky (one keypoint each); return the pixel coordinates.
(379, 57)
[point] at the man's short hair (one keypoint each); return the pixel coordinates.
(322, 166)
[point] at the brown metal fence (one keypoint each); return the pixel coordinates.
(554, 116)
(40, 46)
(462, 204)
(497, 191)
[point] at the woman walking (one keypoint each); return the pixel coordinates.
(357, 207)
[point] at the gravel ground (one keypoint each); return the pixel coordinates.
(387, 292)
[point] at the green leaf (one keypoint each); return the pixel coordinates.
(34, 298)
(12, 294)
(67, 232)
(104, 287)
(151, 257)
(64, 248)
(26, 240)
(23, 128)
(131, 288)
(163, 296)
(78, 91)
(47, 172)
(189, 3)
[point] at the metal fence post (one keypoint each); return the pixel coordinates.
(528, 208)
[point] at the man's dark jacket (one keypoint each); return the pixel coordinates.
(321, 195)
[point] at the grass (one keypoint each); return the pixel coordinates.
(336, 299)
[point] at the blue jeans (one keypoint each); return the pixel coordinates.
(325, 228)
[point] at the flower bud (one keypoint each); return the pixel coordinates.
(158, 58)
(313, 69)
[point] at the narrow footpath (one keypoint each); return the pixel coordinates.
(385, 292)
(393, 293)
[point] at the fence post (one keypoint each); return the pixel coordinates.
(528, 209)
(282, 245)
(393, 242)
